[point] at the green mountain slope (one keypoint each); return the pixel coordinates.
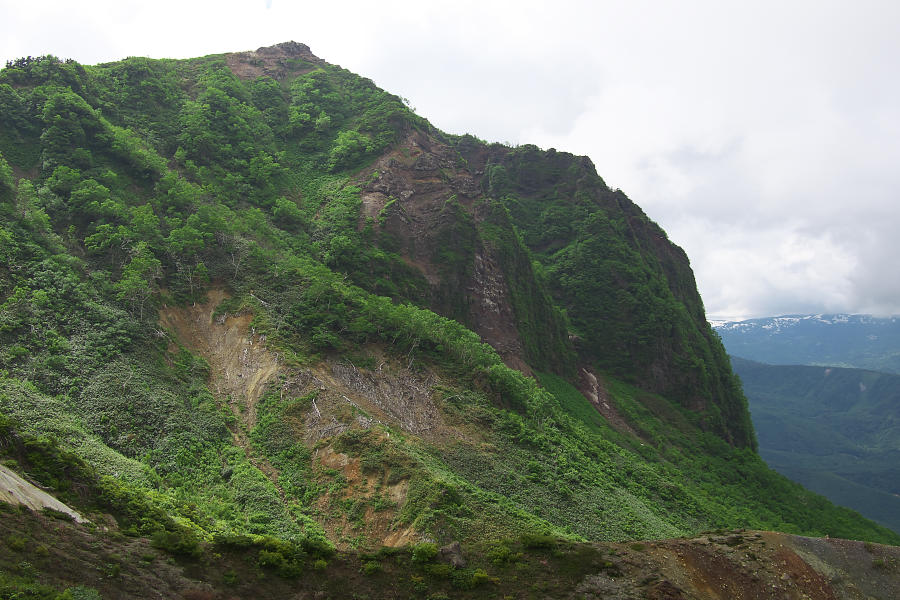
(253, 294)
(629, 292)
(834, 430)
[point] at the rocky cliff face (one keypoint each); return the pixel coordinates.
(628, 291)
(473, 218)
(429, 203)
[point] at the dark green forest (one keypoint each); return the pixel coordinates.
(832, 429)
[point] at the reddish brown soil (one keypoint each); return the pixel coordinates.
(379, 527)
(764, 565)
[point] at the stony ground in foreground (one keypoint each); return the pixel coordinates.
(43, 549)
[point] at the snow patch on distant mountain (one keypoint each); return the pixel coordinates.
(840, 339)
(786, 321)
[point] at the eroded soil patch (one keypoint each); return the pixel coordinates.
(240, 365)
(371, 501)
(363, 508)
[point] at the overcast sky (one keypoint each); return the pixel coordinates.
(763, 136)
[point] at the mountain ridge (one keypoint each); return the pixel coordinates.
(839, 340)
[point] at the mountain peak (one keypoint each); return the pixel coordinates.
(277, 61)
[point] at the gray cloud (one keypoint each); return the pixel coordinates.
(763, 136)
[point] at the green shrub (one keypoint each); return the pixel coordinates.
(534, 541)
(318, 546)
(499, 554)
(370, 567)
(480, 577)
(231, 540)
(424, 552)
(57, 514)
(440, 570)
(419, 584)
(389, 551)
(267, 558)
(80, 593)
(16, 542)
(462, 579)
(278, 562)
(176, 542)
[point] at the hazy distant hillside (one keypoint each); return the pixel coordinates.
(860, 341)
(836, 431)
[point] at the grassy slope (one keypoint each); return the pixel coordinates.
(735, 485)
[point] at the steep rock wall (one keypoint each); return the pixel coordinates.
(629, 292)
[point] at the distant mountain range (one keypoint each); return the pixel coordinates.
(860, 341)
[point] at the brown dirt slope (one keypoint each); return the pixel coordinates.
(345, 397)
(240, 365)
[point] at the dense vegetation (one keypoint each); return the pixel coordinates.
(629, 294)
(834, 430)
(140, 185)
